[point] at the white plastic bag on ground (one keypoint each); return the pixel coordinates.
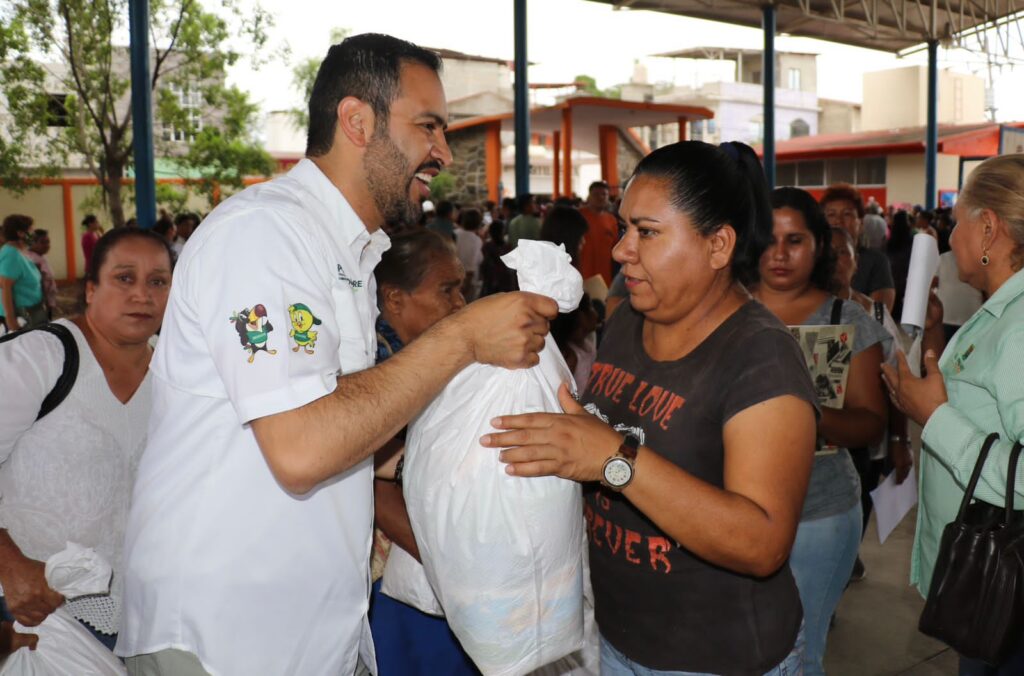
(502, 553)
(65, 646)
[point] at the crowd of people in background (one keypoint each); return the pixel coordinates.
(750, 500)
(835, 248)
(29, 293)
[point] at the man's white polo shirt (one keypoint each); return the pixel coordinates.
(272, 298)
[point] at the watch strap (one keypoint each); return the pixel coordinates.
(629, 446)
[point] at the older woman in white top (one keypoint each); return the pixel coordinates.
(68, 476)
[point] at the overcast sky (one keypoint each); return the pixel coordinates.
(568, 38)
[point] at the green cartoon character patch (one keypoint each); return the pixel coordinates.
(303, 320)
(253, 329)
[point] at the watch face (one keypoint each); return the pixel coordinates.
(617, 472)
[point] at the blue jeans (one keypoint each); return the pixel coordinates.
(614, 663)
(822, 560)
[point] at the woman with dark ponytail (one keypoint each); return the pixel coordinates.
(695, 434)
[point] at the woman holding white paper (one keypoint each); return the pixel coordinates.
(699, 422)
(977, 387)
(797, 274)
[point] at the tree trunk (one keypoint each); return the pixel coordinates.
(112, 188)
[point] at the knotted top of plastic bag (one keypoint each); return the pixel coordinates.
(545, 268)
(78, 571)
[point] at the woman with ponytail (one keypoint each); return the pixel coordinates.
(694, 436)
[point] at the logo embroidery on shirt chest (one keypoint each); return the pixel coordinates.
(958, 362)
(342, 277)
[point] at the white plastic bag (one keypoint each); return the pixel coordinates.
(65, 646)
(587, 660)
(502, 553)
(405, 580)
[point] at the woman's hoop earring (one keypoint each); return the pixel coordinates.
(984, 259)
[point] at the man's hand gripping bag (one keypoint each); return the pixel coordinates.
(503, 554)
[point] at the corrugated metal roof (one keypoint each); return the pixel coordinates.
(889, 26)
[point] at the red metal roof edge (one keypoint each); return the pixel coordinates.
(695, 112)
(908, 148)
(830, 145)
(576, 101)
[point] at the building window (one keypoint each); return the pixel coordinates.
(871, 171)
(794, 78)
(841, 171)
(190, 100)
(785, 174)
(697, 130)
(820, 173)
(755, 130)
(811, 173)
(57, 111)
(798, 128)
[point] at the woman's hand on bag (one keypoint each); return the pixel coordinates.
(29, 599)
(917, 397)
(11, 641)
(572, 445)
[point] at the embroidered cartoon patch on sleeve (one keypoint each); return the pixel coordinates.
(253, 329)
(303, 320)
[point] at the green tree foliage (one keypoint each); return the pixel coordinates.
(304, 75)
(219, 155)
(442, 186)
(589, 85)
(79, 48)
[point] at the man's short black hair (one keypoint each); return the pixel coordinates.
(445, 209)
(368, 67)
(185, 216)
(598, 184)
(523, 200)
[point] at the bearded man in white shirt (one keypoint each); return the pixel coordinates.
(248, 544)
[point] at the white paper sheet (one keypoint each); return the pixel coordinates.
(892, 502)
(924, 263)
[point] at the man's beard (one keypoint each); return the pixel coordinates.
(389, 178)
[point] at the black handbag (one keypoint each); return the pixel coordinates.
(976, 599)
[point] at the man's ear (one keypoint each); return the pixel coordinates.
(721, 245)
(355, 121)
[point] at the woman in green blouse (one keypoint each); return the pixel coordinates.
(21, 289)
(977, 387)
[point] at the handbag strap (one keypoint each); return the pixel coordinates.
(975, 475)
(1011, 478)
(837, 312)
